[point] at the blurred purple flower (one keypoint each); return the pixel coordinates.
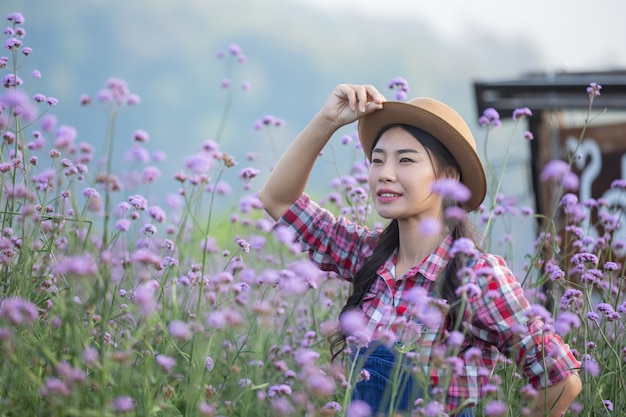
(141, 136)
(430, 226)
(463, 246)
(157, 213)
(124, 404)
(451, 189)
(521, 112)
(199, 163)
(132, 99)
(53, 387)
(455, 213)
(352, 321)
(358, 408)
(16, 17)
(434, 409)
(21, 104)
(90, 356)
(209, 364)
(165, 362)
(555, 170)
(150, 174)
(495, 408)
(248, 173)
(144, 297)
(590, 366)
(122, 225)
(18, 311)
(489, 117)
(565, 321)
(80, 266)
(401, 86)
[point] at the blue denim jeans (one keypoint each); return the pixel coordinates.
(381, 363)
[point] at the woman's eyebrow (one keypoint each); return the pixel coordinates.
(399, 151)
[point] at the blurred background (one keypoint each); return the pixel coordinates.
(296, 51)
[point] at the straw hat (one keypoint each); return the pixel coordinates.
(443, 123)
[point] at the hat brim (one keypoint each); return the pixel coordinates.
(443, 123)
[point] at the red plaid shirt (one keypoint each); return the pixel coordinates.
(496, 323)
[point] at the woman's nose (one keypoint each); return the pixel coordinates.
(386, 173)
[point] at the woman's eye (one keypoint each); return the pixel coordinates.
(406, 160)
(377, 161)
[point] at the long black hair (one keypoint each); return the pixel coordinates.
(388, 241)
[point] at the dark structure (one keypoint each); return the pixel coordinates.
(550, 92)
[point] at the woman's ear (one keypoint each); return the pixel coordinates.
(452, 173)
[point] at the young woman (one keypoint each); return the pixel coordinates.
(411, 147)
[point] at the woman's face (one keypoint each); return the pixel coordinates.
(400, 178)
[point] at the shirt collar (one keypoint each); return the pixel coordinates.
(430, 268)
(435, 262)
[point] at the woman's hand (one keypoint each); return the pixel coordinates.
(349, 102)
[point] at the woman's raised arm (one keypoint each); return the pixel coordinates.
(289, 177)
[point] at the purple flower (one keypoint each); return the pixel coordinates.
(141, 136)
(619, 183)
(199, 163)
(489, 117)
(248, 173)
(133, 99)
(16, 17)
(11, 80)
(332, 405)
(565, 321)
(434, 409)
(455, 338)
(12, 43)
(150, 174)
(144, 297)
(165, 362)
(528, 135)
(358, 408)
(90, 356)
(18, 311)
(123, 404)
(455, 213)
(122, 225)
(521, 112)
(352, 321)
(590, 366)
(555, 170)
(451, 189)
(90, 192)
(594, 89)
(157, 213)
(21, 104)
(430, 226)
(463, 246)
(55, 386)
(48, 122)
(81, 266)
(138, 202)
(495, 409)
(209, 364)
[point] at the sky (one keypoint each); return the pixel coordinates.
(572, 34)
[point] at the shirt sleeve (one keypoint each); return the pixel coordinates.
(333, 242)
(504, 318)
